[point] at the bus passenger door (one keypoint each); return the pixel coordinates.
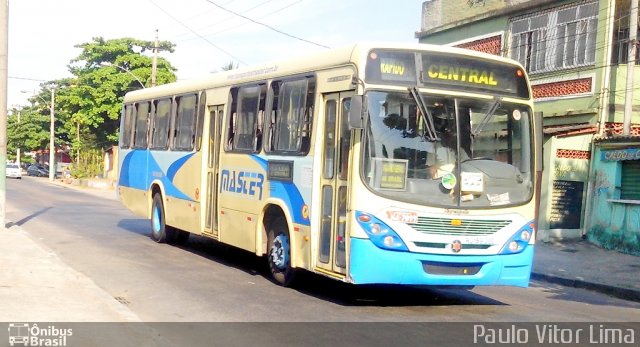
(332, 244)
(215, 132)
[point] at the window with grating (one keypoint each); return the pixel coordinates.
(630, 183)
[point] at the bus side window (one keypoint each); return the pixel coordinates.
(161, 118)
(141, 125)
(127, 126)
(291, 115)
(245, 126)
(202, 108)
(185, 122)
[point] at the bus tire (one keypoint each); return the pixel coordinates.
(158, 224)
(279, 253)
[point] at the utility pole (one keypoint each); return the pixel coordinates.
(154, 65)
(4, 53)
(631, 63)
(52, 135)
(18, 149)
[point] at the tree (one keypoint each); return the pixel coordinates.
(28, 133)
(88, 105)
(104, 72)
(229, 66)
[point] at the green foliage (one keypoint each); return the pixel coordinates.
(87, 105)
(89, 166)
(29, 133)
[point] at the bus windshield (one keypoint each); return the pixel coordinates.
(480, 156)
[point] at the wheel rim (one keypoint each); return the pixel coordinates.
(156, 220)
(280, 252)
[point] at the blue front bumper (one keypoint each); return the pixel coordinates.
(370, 264)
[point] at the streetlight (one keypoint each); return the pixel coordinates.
(106, 63)
(52, 134)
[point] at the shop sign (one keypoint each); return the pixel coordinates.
(621, 154)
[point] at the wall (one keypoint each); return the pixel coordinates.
(612, 225)
(564, 187)
(437, 13)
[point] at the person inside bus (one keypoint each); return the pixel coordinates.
(446, 148)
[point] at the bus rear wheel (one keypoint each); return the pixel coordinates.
(160, 231)
(279, 253)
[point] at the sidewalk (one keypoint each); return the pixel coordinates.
(581, 264)
(36, 285)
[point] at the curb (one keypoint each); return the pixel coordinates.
(621, 293)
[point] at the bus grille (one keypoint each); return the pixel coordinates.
(467, 227)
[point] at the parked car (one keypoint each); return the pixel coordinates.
(13, 170)
(38, 171)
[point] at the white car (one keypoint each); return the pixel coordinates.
(13, 171)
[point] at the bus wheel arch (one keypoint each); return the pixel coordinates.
(279, 246)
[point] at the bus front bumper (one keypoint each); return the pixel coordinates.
(372, 265)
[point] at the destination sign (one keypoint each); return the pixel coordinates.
(473, 74)
(446, 71)
(392, 67)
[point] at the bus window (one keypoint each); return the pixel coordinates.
(329, 149)
(161, 116)
(125, 139)
(185, 122)
(245, 128)
(289, 126)
(141, 125)
(202, 104)
(344, 142)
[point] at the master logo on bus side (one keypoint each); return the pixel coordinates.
(245, 183)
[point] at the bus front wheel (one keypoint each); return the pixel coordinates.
(279, 253)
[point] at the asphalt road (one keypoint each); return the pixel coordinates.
(205, 281)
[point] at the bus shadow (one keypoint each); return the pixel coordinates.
(387, 295)
(317, 286)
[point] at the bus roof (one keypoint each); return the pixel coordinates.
(355, 54)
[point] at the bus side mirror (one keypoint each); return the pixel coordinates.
(357, 112)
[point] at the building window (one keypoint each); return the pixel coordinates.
(630, 180)
(620, 52)
(561, 38)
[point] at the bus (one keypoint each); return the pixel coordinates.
(407, 164)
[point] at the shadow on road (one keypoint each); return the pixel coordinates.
(582, 295)
(318, 286)
(27, 218)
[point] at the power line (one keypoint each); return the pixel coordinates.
(266, 25)
(198, 34)
(242, 24)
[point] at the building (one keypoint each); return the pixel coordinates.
(576, 54)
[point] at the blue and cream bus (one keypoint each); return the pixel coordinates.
(374, 163)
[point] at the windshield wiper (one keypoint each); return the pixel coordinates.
(427, 117)
(487, 117)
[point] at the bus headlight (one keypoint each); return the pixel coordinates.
(519, 241)
(379, 233)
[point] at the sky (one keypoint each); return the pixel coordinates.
(43, 33)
